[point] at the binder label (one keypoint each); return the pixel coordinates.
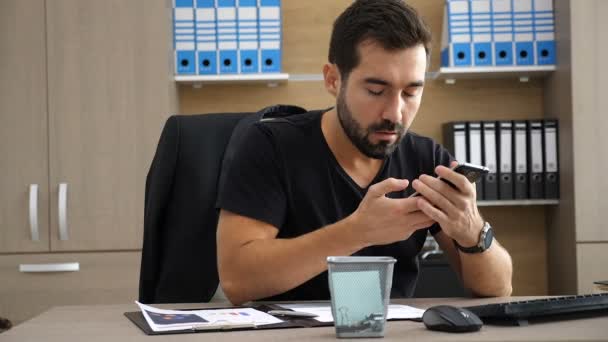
(505, 149)
(489, 146)
(551, 148)
(537, 148)
(475, 143)
(520, 148)
(270, 13)
(460, 143)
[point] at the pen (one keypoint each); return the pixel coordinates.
(223, 326)
(291, 313)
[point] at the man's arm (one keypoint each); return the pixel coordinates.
(254, 264)
(488, 273)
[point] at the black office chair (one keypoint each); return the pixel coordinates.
(435, 276)
(179, 261)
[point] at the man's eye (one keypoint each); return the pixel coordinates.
(406, 94)
(374, 93)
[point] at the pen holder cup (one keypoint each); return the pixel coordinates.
(360, 289)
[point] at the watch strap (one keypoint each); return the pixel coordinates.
(481, 245)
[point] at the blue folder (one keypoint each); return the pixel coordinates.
(206, 37)
(183, 37)
(502, 32)
(270, 35)
(544, 32)
(227, 36)
(523, 33)
(481, 28)
(456, 49)
(248, 38)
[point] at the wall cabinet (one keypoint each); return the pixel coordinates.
(23, 126)
(108, 96)
(85, 87)
(578, 238)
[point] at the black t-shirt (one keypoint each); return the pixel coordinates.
(283, 173)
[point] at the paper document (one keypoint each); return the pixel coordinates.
(397, 311)
(323, 311)
(167, 320)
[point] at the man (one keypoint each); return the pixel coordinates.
(336, 182)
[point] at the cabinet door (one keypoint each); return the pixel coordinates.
(23, 127)
(29, 287)
(110, 91)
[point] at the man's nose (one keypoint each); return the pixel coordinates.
(394, 109)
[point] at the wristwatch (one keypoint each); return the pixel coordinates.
(486, 236)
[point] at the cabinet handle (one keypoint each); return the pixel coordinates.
(62, 211)
(49, 268)
(35, 233)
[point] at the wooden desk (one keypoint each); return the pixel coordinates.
(107, 323)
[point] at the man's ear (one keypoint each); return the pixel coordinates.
(331, 75)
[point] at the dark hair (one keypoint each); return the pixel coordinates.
(391, 23)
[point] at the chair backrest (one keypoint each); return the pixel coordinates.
(179, 261)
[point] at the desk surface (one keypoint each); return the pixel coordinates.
(107, 323)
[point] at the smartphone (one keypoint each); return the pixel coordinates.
(471, 171)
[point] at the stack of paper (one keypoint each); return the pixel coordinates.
(168, 320)
(602, 285)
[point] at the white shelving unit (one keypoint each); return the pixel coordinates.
(319, 77)
(523, 73)
(272, 80)
(197, 81)
(503, 203)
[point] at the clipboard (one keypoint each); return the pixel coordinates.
(288, 322)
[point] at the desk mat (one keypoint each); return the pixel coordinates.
(288, 322)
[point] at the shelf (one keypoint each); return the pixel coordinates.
(270, 79)
(197, 81)
(450, 75)
(524, 73)
(501, 203)
(305, 77)
(319, 77)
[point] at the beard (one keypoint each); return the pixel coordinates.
(359, 136)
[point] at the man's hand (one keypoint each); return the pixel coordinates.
(454, 209)
(380, 220)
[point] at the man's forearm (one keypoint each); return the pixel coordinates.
(489, 273)
(267, 267)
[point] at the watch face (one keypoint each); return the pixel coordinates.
(489, 236)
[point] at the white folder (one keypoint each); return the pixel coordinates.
(536, 178)
(521, 160)
(460, 142)
(475, 150)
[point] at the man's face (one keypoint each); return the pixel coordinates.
(379, 100)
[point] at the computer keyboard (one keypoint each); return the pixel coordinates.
(520, 312)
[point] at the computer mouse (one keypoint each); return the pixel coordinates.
(451, 319)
